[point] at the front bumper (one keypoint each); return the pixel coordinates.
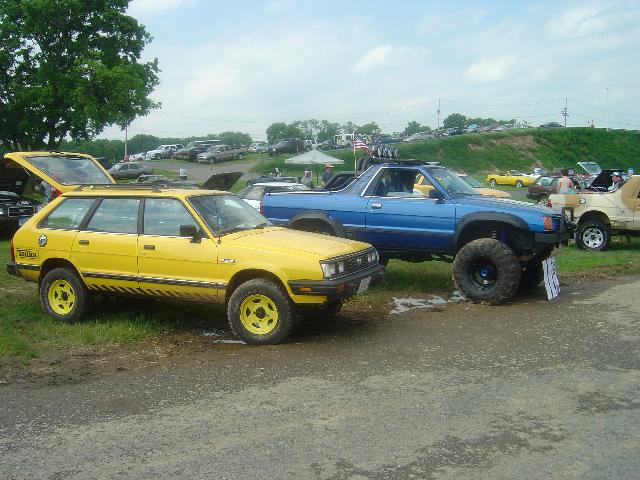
(12, 268)
(339, 288)
(552, 238)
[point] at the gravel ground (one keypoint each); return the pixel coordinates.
(532, 389)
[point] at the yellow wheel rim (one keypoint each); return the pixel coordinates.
(258, 314)
(61, 297)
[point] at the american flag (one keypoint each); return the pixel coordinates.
(358, 143)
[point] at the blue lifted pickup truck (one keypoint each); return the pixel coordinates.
(415, 212)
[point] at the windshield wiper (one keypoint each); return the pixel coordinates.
(262, 225)
(232, 230)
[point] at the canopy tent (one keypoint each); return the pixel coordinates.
(314, 157)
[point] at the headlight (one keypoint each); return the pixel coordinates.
(328, 269)
(372, 257)
(547, 222)
(1, 211)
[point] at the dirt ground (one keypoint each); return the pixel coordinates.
(532, 389)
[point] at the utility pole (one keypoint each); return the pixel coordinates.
(125, 141)
(438, 114)
(564, 112)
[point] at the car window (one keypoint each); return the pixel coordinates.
(70, 170)
(163, 216)
(253, 193)
(69, 214)
(545, 181)
(115, 215)
(401, 183)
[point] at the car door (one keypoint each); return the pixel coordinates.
(105, 251)
(398, 216)
(171, 265)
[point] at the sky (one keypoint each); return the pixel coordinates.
(243, 65)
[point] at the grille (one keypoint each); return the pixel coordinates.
(20, 211)
(355, 263)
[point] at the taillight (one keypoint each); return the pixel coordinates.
(11, 252)
(55, 193)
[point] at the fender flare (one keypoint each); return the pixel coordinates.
(479, 217)
(321, 216)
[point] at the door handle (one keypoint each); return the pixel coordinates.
(83, 242)
(376, 206)
(149, 247)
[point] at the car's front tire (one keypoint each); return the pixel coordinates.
(487, 271)
(593, 235)
(63, 295)
(260, 312)
(519, 184)
(493, 182)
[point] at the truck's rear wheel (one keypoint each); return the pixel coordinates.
(487, 271)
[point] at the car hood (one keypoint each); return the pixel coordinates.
(63, 171)
(492, 192)
(222, 181)
(504, 205)
(290, 242)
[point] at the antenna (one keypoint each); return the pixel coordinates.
(564, 112)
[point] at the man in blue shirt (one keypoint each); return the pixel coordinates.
(327, 174)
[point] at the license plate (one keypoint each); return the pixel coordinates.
(551, 282)
(364, 284)
(22, 220)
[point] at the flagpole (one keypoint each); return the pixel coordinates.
(353, 144)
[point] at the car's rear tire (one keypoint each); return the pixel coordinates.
(260, 313)
(519, 184)
(63, 295)
(487, 271)
(493, 182)
(593, 236)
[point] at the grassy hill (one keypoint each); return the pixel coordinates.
(523, 150)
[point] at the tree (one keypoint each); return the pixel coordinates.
(278, 131)
(415, 127)
(327, 130)
(235, 138)
(455, 120)
(371, 128)
(70, 68)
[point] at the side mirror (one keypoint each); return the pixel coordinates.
(190, 231)
(436, 194)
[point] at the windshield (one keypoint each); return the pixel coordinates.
(70, 170)
(227, 213)
(471, 181)
(451, 182)
(592, 167)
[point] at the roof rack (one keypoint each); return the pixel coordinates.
(119, 186)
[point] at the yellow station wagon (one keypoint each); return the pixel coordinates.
(202, 245)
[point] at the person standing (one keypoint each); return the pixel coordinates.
(565, 184)
(327, 174)
(306, 179)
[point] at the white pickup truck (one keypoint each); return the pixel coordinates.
(163, 151)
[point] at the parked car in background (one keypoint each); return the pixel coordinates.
(547, 185)
(510, 177)
(193, 149)
(152, 178)
(163, 151)
(258, 147)
(551, 125)
(220, 153)
(134, 157)
(481, 189)
(288, 145)
(326, 145)
(254, 193)
(15, 209)
(130, 170)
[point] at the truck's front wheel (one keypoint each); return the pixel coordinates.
(593, 235)
(487, 271)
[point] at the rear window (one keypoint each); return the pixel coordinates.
(70, 170)
(69, 214)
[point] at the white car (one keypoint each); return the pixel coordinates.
(253, 193)
(258, 147)
(160, 152)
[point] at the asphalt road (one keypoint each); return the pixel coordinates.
(532, 390)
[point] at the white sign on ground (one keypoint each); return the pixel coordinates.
(551, 282)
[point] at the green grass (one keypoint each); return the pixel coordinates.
(25, 332)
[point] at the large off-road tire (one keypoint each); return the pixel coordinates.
(261, 313)
(593, 235)
(63, 295)
(531, 276)
(519, 184)
(492, 182)
(487, 271)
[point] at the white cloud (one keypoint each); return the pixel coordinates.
(490, 69)
(144, 8)
(374, 58)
